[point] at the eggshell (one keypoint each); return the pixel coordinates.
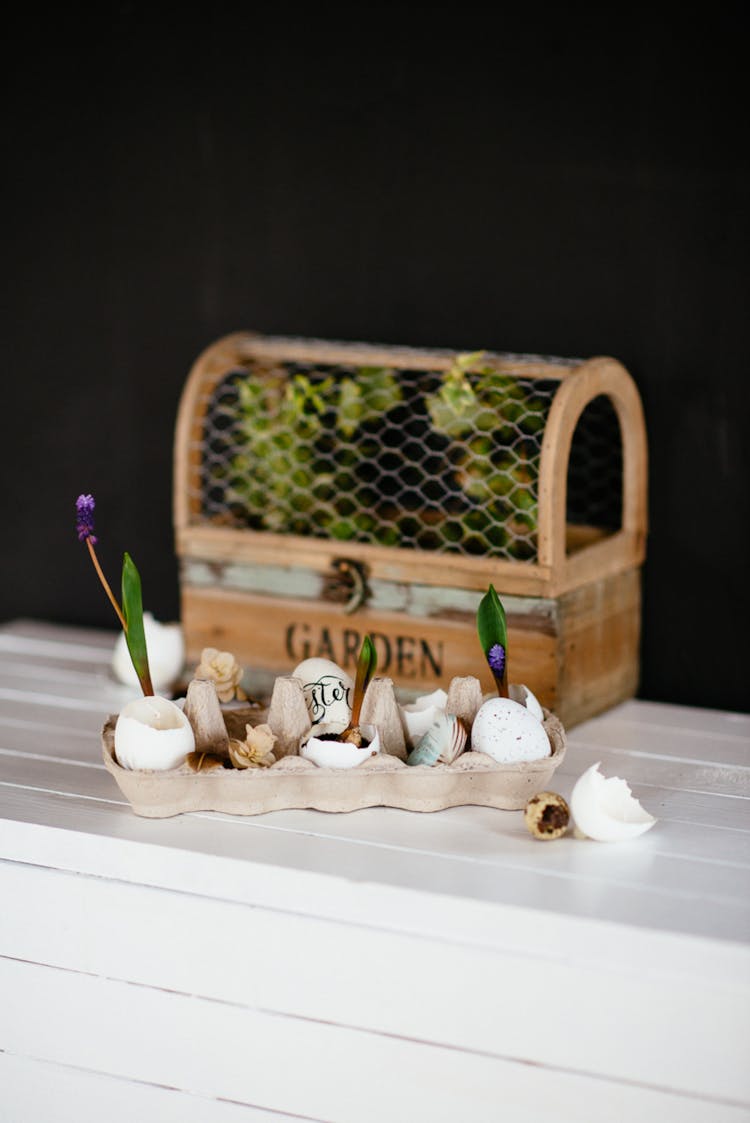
(152, 733)
(521, 693)
(328, 691)
(422, 713)
(506, 731)
(166, 655)
(337, 754)
(605, 809)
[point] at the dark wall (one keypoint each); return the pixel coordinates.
(430, 181)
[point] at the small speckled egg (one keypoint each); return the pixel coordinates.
(508, 732)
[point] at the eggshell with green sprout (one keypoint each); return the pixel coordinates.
(152, 733)
(508, 732)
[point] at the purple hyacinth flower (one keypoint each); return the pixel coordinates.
(85, 518)
(496, 659)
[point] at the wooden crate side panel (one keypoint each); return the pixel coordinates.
(418, 653)
(600, 627)
(388, 563)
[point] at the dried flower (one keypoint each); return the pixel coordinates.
(85, 518)
(255, 750)
(223, 670)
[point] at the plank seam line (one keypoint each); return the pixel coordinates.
(44, 699)
(53, 759)
(607, 967)
(63, 795)
(126, 1080)
(685, 730)
(43, 726)
(570, 773)
(473, 861)
(604, 1078)
(648, 754)
(65, 649)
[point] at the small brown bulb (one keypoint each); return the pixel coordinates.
(547, 815)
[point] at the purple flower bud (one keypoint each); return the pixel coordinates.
(85, 518)
(496, 659)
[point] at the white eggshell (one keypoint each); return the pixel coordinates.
(328, 691)
(166, 654)
(421, 714)
(521, 693)
(152, 733)
(605, 809)
(506, 731)
(336, 754)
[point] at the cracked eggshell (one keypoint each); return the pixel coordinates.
(166, 654)
(152, 733)
(508, 732)
(521, 693)
(339, 754)
(328, 691)
(606, 810)
(422, 713)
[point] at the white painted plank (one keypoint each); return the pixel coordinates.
(297, 1066)
(668, 772)
(443, 851)
(17, 713)
(22, 738)
(208, 856)
(33, 1091)
(654, 741)
(72, 679)
(462, 833)
(429, 990)
(677, 717)
(42, 633)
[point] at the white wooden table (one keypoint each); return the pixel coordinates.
(379, 966)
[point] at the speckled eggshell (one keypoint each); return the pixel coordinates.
(508, 732)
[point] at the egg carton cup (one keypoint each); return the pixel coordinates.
(384, 780)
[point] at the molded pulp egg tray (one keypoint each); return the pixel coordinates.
(385, 780)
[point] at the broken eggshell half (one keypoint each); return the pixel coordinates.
(520, 693)
(419, 715)
(152, 733)
(606, 810)
(340, 754)
(166, 655)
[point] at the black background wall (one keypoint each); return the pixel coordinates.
(417, 177)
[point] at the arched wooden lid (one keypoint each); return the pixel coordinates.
(553, 571)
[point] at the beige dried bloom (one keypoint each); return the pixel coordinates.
(221, 668)
(255, 750)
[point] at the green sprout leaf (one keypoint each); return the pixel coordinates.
(366, 666)
(493, 637)
(135, 636)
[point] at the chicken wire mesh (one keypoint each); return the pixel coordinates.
(443, 460)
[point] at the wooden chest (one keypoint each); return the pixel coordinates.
(328, 490)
